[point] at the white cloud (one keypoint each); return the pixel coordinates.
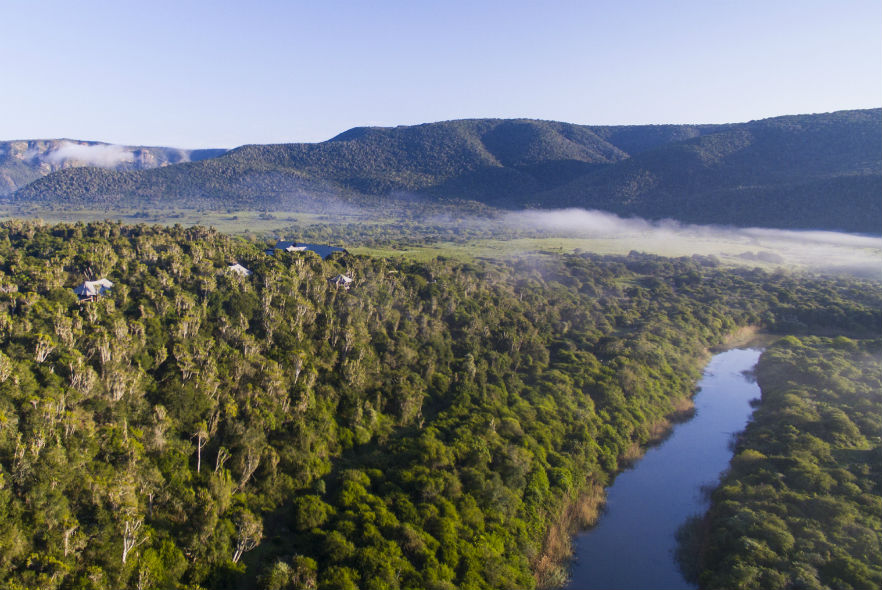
(102, 155)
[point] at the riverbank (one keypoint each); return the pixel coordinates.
(745, 337)
(647, 503)
(799, 504)
(581, 512)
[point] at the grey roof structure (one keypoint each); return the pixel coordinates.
(239, 269)
(323, 250)
(91, 289)
(341, 281)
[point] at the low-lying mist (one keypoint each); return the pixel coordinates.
(308, 211)
(819, 251)
(409, 221)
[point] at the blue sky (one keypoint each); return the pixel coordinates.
(220, 74)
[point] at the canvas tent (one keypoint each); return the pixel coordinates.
(90, 290)
(239, 269)
(341, 281)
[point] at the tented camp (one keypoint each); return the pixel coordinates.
(323, 250)
(91, 290)
(239, 270)
(341, 281)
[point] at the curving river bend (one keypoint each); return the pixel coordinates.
(632, 546)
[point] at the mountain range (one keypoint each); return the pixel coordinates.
(820, 171)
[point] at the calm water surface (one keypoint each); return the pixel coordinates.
(633, 544)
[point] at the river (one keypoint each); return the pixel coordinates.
(632, 546)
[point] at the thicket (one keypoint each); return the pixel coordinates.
(198, 428)
(801, 506)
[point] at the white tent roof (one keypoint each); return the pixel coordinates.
(93, 288)
(341, 279)
(239, 269)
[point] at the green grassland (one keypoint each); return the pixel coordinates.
(504, 248)
(424, 233)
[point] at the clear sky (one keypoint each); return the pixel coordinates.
(199, 73)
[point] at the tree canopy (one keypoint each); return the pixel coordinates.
(425, 428)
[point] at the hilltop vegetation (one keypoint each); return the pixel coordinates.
(24, 161)
(793, 170)
(427, 428)
(807, 171)
(801, 506)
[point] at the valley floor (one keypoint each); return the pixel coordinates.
(424, 235)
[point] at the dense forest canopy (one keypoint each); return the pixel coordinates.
(806, 172)
(426, 428)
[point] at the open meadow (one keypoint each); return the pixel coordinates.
(423, 234)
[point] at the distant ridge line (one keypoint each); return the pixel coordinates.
(819, 171)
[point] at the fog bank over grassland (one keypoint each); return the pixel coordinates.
(418, 228)
(819, 251)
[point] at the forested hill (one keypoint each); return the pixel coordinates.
(431, 427)
(24, 161)
(807, 171)
(822, 171)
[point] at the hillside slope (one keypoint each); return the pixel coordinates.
(807, 171)
(800, 172)
(452, 158)
(23, 161)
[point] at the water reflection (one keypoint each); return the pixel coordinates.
(633, 544)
